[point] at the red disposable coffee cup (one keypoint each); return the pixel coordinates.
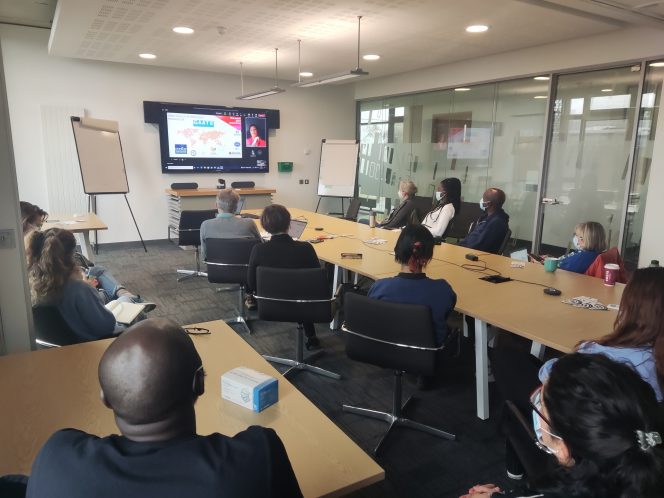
(610, 274)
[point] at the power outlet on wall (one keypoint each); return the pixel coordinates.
(301, 181)
(306, 182)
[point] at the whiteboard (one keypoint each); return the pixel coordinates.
(338, 168)
(100, 156)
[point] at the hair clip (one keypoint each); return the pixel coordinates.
(648, 440)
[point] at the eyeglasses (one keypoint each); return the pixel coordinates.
(196, 331)
(536, 405)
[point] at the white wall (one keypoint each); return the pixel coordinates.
(613, 48)
(117, 91)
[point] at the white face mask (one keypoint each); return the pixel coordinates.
(482, 204)
(575, 242)
(439, 195)
(400, 194)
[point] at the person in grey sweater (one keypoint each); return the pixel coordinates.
(57, 280)
(226, 225)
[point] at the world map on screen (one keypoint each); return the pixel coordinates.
(204, 135)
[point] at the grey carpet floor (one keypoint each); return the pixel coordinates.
(416, 464)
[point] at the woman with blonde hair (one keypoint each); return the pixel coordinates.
(401, 214)
(57, 280)
(589, 242)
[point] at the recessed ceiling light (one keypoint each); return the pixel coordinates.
(183, 30)
(147, 56)
(306, 74)
(462, 89)
(607, 89)
(540, 97)
(477, 28)
(656, 64)
(371, 57)
(541, 78)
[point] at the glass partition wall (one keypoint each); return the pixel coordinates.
(594, 165)
(487, 136)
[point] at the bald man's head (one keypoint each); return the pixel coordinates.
(495, 196)
(148, 372)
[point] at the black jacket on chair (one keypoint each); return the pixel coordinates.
(281, 252)
(400, 216)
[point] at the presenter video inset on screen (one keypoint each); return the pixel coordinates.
(255, 132)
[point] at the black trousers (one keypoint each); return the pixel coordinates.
(309, 329)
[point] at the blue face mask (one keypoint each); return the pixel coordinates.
(482, 204)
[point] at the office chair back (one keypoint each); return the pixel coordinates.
(506, 240)
(465, 216)
(353, 209)
(189, 229)
(228, 259)
(422, 206)
(51, 329)
(293, 295)
(390, 335)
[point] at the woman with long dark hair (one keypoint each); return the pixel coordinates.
(448, 197)
(414, 250)
(603, 425)
(638, 332)
(57, 280)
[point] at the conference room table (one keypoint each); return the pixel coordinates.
(519, 306)
(81, 225)
(48, 390)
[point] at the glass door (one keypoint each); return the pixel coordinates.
(591, 137)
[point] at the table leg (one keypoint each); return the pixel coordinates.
(481, 369)
(537, 350)
(83, 240)
(336, 280)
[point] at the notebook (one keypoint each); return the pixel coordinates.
(296, 228)
(125, 312)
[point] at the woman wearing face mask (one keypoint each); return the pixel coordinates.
(589, 242)
(401, 214)
(448, 196)
(602, 424)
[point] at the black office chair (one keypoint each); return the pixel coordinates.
(422, 206)
(467, 214)
(51, 330)
(353, 209)
(227, 262)
(395, 336)
(189, 234)
(506, 240)
(295, 295)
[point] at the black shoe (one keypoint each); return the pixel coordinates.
(312, 343)
(250, 302)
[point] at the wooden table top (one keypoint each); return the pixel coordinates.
(75, 223)
(202, 192)
(517, 307)
(58, 388)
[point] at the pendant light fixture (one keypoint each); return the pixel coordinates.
(333, 78)
(262, 93)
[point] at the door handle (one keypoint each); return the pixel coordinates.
(550, 201)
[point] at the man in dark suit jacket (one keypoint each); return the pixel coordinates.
(151, 377)
(400, 217)
(282, 252)
(489, 230)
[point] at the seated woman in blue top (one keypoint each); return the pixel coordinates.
(638, 333)
(589, 242)
(414, 250)
(57, 280)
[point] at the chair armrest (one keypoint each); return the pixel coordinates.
(329, 300)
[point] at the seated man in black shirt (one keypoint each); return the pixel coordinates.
(489, 230)
(150, 377)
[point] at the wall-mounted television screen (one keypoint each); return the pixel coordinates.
(211, 139)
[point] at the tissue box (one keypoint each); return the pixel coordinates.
(249, 388)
